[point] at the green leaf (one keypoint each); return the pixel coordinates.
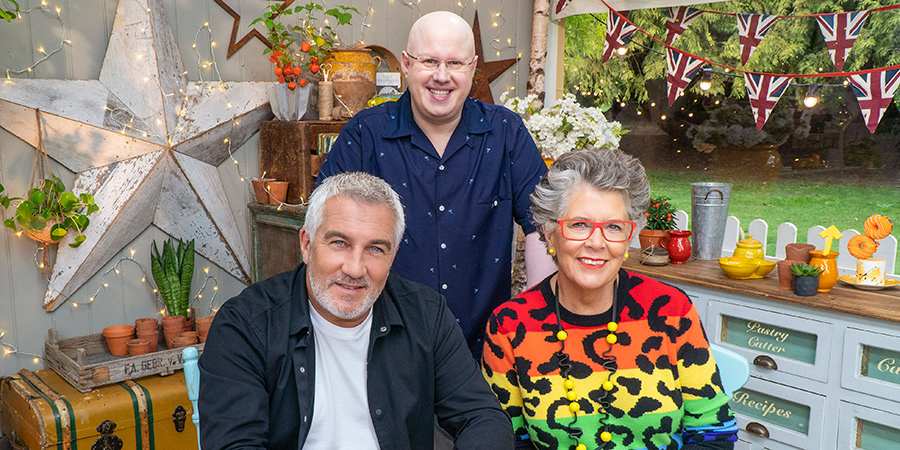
(58, 185)
(25, 211)
(58, 232)
(81, 222)
(78, 240)
(37, 223)
(187, 274)
(36, 196)
(87, 199)
(9, 223)
(159, 276)
(92, 208)
(67, 200)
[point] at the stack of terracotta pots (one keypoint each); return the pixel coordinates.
(203, 324)
(173, 326)
(148, 328)
(117, 337)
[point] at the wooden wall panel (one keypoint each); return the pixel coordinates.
(89, 23)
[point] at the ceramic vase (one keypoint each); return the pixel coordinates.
(117, 337)
(654, 238)
(828, 263)
(749, 248)
(679, 246)
(798, 252)
(785, 277)
(138, 347)
(806, 286)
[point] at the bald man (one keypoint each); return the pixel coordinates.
(464, 170)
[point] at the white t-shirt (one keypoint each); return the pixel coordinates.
(341, 417)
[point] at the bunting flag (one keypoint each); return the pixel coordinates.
(751, 30)
(840, 32)
(764, 92)
(680, 70)
(618, 32)
(679, 19)
(874, 92)
(562, 4)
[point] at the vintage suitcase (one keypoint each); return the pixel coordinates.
(46, 412)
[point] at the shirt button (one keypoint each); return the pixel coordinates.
(383, 329)
(444, 286)
(378, 412)
(303, 370)
(441, 167)
(495, 202)
(441, 208)
(443, 245)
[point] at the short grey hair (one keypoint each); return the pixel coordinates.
(603, 170)
(361, 187)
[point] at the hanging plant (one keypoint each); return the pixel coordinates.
(48, 212)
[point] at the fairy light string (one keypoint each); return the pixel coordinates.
(44, 8)
(10, 349)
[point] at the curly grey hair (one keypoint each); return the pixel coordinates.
(603, 170)
(361, 187)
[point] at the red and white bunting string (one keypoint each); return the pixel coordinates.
(618, 31)
(874, 92)
(680, 17)
(680, 70)
(752, 28)
(840, 32)
(764, 92)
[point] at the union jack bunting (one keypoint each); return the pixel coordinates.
(874, 92)
(679, 19)
(764, 92)
(751, 30)
(840, 32)
(562, 4)
(618, 32)
(680, 70)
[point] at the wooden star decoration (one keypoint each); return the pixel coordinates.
(145, 142)
(486, 72)
(233, 46)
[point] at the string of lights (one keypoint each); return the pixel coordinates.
(366, 24)
(9, 349)
(46, 55)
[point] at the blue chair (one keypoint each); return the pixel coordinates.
(192, 379)
(733, 368)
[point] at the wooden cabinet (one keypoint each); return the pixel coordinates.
(289, 151)
(825, 370)
(275, 236)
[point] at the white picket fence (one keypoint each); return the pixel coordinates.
(787, 234)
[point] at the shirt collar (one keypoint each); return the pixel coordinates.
(401, 123)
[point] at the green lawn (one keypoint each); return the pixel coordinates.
(801, 202)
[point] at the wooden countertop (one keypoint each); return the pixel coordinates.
(843, 298)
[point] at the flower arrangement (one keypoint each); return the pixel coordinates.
(660, 214)
(732, 123)
(305, 45)
(565, 125)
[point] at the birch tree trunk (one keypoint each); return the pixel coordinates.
(539, 27)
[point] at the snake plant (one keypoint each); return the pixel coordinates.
(173, 272)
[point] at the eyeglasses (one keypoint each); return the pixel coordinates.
(581, 230)
(433, 64)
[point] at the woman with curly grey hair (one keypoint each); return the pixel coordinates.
(595, 356)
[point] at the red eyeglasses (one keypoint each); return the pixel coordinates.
(581, 230)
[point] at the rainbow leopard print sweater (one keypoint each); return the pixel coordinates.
(666, 391)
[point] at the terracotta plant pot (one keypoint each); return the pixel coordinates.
(117, 337)
(202, 339)
(188, 324)
(654, 238)
(203, 324)
(138, 347)
(184, 341)
(172, 328)
(785, 277)
(146, 323)
(277, 192)
(798, 252)
(192, 334)
(259, 188)
(806, 286)
(152, 335)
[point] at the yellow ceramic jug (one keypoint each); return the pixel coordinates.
(749, 248)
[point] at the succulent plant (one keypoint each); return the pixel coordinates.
(805, 270)
(173, 272)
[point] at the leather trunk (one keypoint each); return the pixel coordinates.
(46, 412)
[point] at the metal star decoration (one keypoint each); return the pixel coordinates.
(144, 141)
(486, 72)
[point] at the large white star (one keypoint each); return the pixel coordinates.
(144, 141)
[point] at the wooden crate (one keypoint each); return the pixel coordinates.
(85, 361)
(289, 151)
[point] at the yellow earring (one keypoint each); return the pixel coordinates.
(550, 251)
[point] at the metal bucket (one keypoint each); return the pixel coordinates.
(709, 212)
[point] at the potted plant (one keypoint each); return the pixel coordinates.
(299, 50)
(173, 272)
(660, 219)
(806, 279)
(48, 212)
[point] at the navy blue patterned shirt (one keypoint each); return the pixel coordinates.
(459, 207)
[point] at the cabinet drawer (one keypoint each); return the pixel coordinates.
(774, 342)
(790, 417)
(871, 363)
(861, 427)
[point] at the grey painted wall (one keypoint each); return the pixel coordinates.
(88, 24)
